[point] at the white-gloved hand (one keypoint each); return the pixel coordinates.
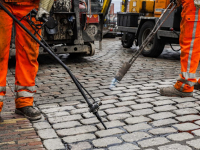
(197, 3)
(44, 8)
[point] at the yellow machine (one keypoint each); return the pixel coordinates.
(150, 7)
(137, 24)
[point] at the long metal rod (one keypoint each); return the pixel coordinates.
(153, 32)
(58, 59)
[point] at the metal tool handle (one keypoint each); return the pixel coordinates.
(153, 32)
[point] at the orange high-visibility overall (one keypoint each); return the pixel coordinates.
(27, 51)
(190, 49)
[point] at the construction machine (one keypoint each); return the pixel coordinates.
(137, 24)
(72, 27)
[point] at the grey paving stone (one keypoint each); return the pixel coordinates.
(162, 115)
(185, 99)
(126, 146)
(78, 111)
(148, 95)
(187, 105)
(180, 136)
(69, 124)
(196, 132)
(41, 125)
(137, 127)
(80, 146)
(76, 130)
(53, 144)
(148, 88)
(78, 138)
(197, 122)
(135, 120)
(53, 105)
(163, 122)
(129, 98)
(104, 142)
(163, 102)
(141, 106)
(91, 121)
(108, 132)
(118, 116)
(64, 118)
(164, 108)
(111, 124)
(58, 114)
(145, 92)
(194, 143)
(142, 112)
(109, 102)
(47, 134)
(57, 109)
(159, 131)
(175, 146)
(145, 100)
(90, 115)
(188, 118)
(135, 136)
(186, 111)
(117, 110)
(186, 126)
(102, 107)
(153, 142)
(125, 103)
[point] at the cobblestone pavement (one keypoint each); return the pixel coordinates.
(136, 115)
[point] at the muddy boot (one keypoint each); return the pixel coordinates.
(29, 112)
(171, 91)
(197, 86)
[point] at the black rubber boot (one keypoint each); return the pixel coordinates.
(29, 112)
(197, 86)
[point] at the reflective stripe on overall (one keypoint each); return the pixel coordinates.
(189, 42)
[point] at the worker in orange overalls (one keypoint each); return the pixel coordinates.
(190, 51)
(27, 51)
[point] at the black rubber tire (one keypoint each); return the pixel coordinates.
(129, 41)
(155, 46)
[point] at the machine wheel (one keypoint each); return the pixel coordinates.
(155, 47)
(92, 52)
(129, 40)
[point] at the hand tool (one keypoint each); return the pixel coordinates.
(126, 66)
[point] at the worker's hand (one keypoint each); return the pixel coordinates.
(44, 9)
(197, 3)
(177, 2)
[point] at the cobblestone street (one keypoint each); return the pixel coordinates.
(136, 115)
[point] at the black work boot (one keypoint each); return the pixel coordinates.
(197, 86)
(29, 112)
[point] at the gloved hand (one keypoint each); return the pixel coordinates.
(44, 8)
(177, 2)
(197, 3)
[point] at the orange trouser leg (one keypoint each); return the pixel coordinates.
(27, 51)
(5, 38)
(189, 42)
